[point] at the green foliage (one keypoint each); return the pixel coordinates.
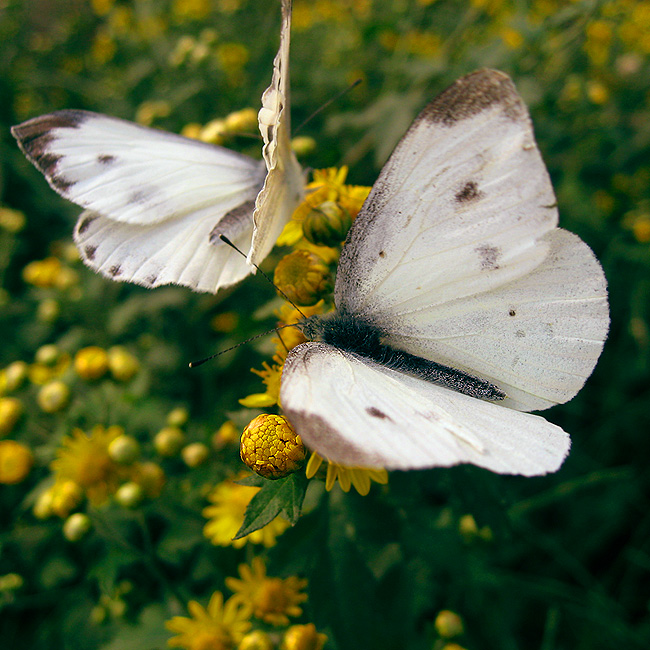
(552, 562)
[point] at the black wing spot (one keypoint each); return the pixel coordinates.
(376, 413)
(489, 257)
(382, 254)
(105, 159)
(90, 251)
(469, 192)
(151, 280)
(115, 270)
(512, 312)
(84, 224)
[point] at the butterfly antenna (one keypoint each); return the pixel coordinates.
(200, 362)
(326, 104)
(225, 240)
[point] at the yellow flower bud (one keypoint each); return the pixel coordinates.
(15, 461)
(76, 526)
(11, 408)
(256, 640)
(168, 441)
(271, 448)
(303, 637)
(48, 310)
(448, 624)
(66, 278)
(48, 355)
(242, 121)
(214, 132)
(11, 582)
(195, 454)
(303, 145)
(91, 362)
(192, 130)
(53, 397)
(177, 417)
(15, 374)
(42, 273)
(226, 434)
(43, 506)
(150, 477)
(303, 277)
(124, 449)
(66, 496)
(327, 225)
(12, 221)
(122, 364)
(129, 495)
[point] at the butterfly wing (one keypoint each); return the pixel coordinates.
(458, 232)
(356, 412)
(153, 197)
(283, 186)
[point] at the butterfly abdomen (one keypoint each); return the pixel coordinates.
(353, 334)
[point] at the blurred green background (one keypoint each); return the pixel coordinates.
(548, 563)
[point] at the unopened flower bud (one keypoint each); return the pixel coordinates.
(122, 364)
(327, 225)
(15, 462)
(15, 374)
(195, 454)
(177, 417)
(124, 449)
(150, 477)
(226, 434)
(303, 277)
(76, 526)
(168, 441)
(65, 496)
(53, 397)
(448, 624)
(214, 132)
(256, 640)
(11, 408)
(48, 355)
(303, 637)
(271, 448)
(303, 145)
(91, 362)
(48, 310)
(242, 121)
(129, 495)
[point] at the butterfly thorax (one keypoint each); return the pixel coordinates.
(357, 335)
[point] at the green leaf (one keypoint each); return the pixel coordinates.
(283, 496)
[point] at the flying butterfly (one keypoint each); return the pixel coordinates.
(460, 305)
(155, 202)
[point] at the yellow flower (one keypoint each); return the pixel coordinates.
(232, 57)
(169, 441)
(271, 377)
(122, 364)
(44, 371)
(15, 461)
(226, 516)
(217, 627)
(85, 460)
(271, 600)
(12, 221)
(242, 121)
(60, 499)
(226, 434)
(303, 277)
(270, 447)
(76, 526)
(91, 362)
(177, 417)
(195, 454)
(359, 477)
(256, 640)
(43, 273)
(303, 637)
(14, 375)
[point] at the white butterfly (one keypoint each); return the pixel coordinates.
(456, 258)
(156, 202)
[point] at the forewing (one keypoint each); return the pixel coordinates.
(537, 338)
(358, 413)
(459, 208)
(283, 186)
(133, 174)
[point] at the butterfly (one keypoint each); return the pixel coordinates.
(156, 203)
(460, 305)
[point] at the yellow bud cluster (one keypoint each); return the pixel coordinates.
(270, 447)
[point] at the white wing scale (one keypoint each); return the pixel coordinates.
(359, 413)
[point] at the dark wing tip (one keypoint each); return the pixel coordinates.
(474, 93)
